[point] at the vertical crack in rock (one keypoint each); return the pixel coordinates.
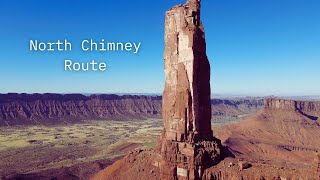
(187, 145)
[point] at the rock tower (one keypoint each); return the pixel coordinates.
(187, 145)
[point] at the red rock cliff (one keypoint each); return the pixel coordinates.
(24, 109)
(311, 109)
(286, 104)
(187, 145)
(20, 109)
(186, 97)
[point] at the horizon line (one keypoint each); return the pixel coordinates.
(160, 94)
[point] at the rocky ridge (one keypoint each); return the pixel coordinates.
(28, 109)
(310, 109)
(24, 109)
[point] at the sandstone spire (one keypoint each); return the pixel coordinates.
(187, 146)
(186, 97)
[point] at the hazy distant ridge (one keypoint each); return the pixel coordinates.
(24, 109)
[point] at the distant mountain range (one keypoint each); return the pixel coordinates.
(49, 109)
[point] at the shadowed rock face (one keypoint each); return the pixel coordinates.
(187, 146)
(186, 97)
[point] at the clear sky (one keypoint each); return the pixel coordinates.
(255, 47)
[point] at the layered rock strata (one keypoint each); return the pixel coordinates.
(294, 105)
(187, 146)
(186, 97)
(310, 109)
(25, 109)
(28, 109)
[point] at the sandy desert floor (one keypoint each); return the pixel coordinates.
(32, 149)
(51, 149)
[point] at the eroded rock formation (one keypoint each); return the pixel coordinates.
(186, 97)
(310, 109)
(29, 109)
(187, 146)
(287, 104)
(274, 143)
(24, 109)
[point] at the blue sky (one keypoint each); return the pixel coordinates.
(265, 47)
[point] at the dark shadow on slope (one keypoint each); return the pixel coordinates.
(227, 152)
(76, 172)
(314, 118)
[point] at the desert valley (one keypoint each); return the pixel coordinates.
(277, 138)
(187, 133)
(42, 135)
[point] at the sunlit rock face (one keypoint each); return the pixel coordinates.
(187, 145)
(186, 97)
